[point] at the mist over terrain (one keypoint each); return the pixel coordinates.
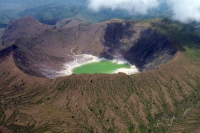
(92, 11)
(136, 6)
(183, 10)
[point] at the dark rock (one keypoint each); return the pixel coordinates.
(147, 49)
(151, 50)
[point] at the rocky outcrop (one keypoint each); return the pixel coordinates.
(151, 50)
(119, 37)
(22, 28)
(141, 46)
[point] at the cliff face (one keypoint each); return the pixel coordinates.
(118, 38)
(141, 46)
(151, 50)
(41, 49)
(117, 31)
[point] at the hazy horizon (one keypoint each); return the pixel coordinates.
(180, 10)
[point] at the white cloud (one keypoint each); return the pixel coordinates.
(183, 10)
(132, 6)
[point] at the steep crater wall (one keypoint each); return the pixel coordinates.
(118, 38)
(141, 46)
(42, 52)
(151, 50)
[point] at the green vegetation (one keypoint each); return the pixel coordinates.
(49, 12)
(184, 36)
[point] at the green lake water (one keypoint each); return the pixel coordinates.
(107, 67)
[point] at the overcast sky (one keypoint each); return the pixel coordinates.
(183, 10)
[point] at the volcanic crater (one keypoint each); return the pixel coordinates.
(163, 100)
(42, 50)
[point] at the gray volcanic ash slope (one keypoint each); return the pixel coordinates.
(142, 46)
(40, 50)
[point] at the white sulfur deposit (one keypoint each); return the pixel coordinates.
(83, 59)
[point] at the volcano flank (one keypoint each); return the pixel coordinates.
(150, 79)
